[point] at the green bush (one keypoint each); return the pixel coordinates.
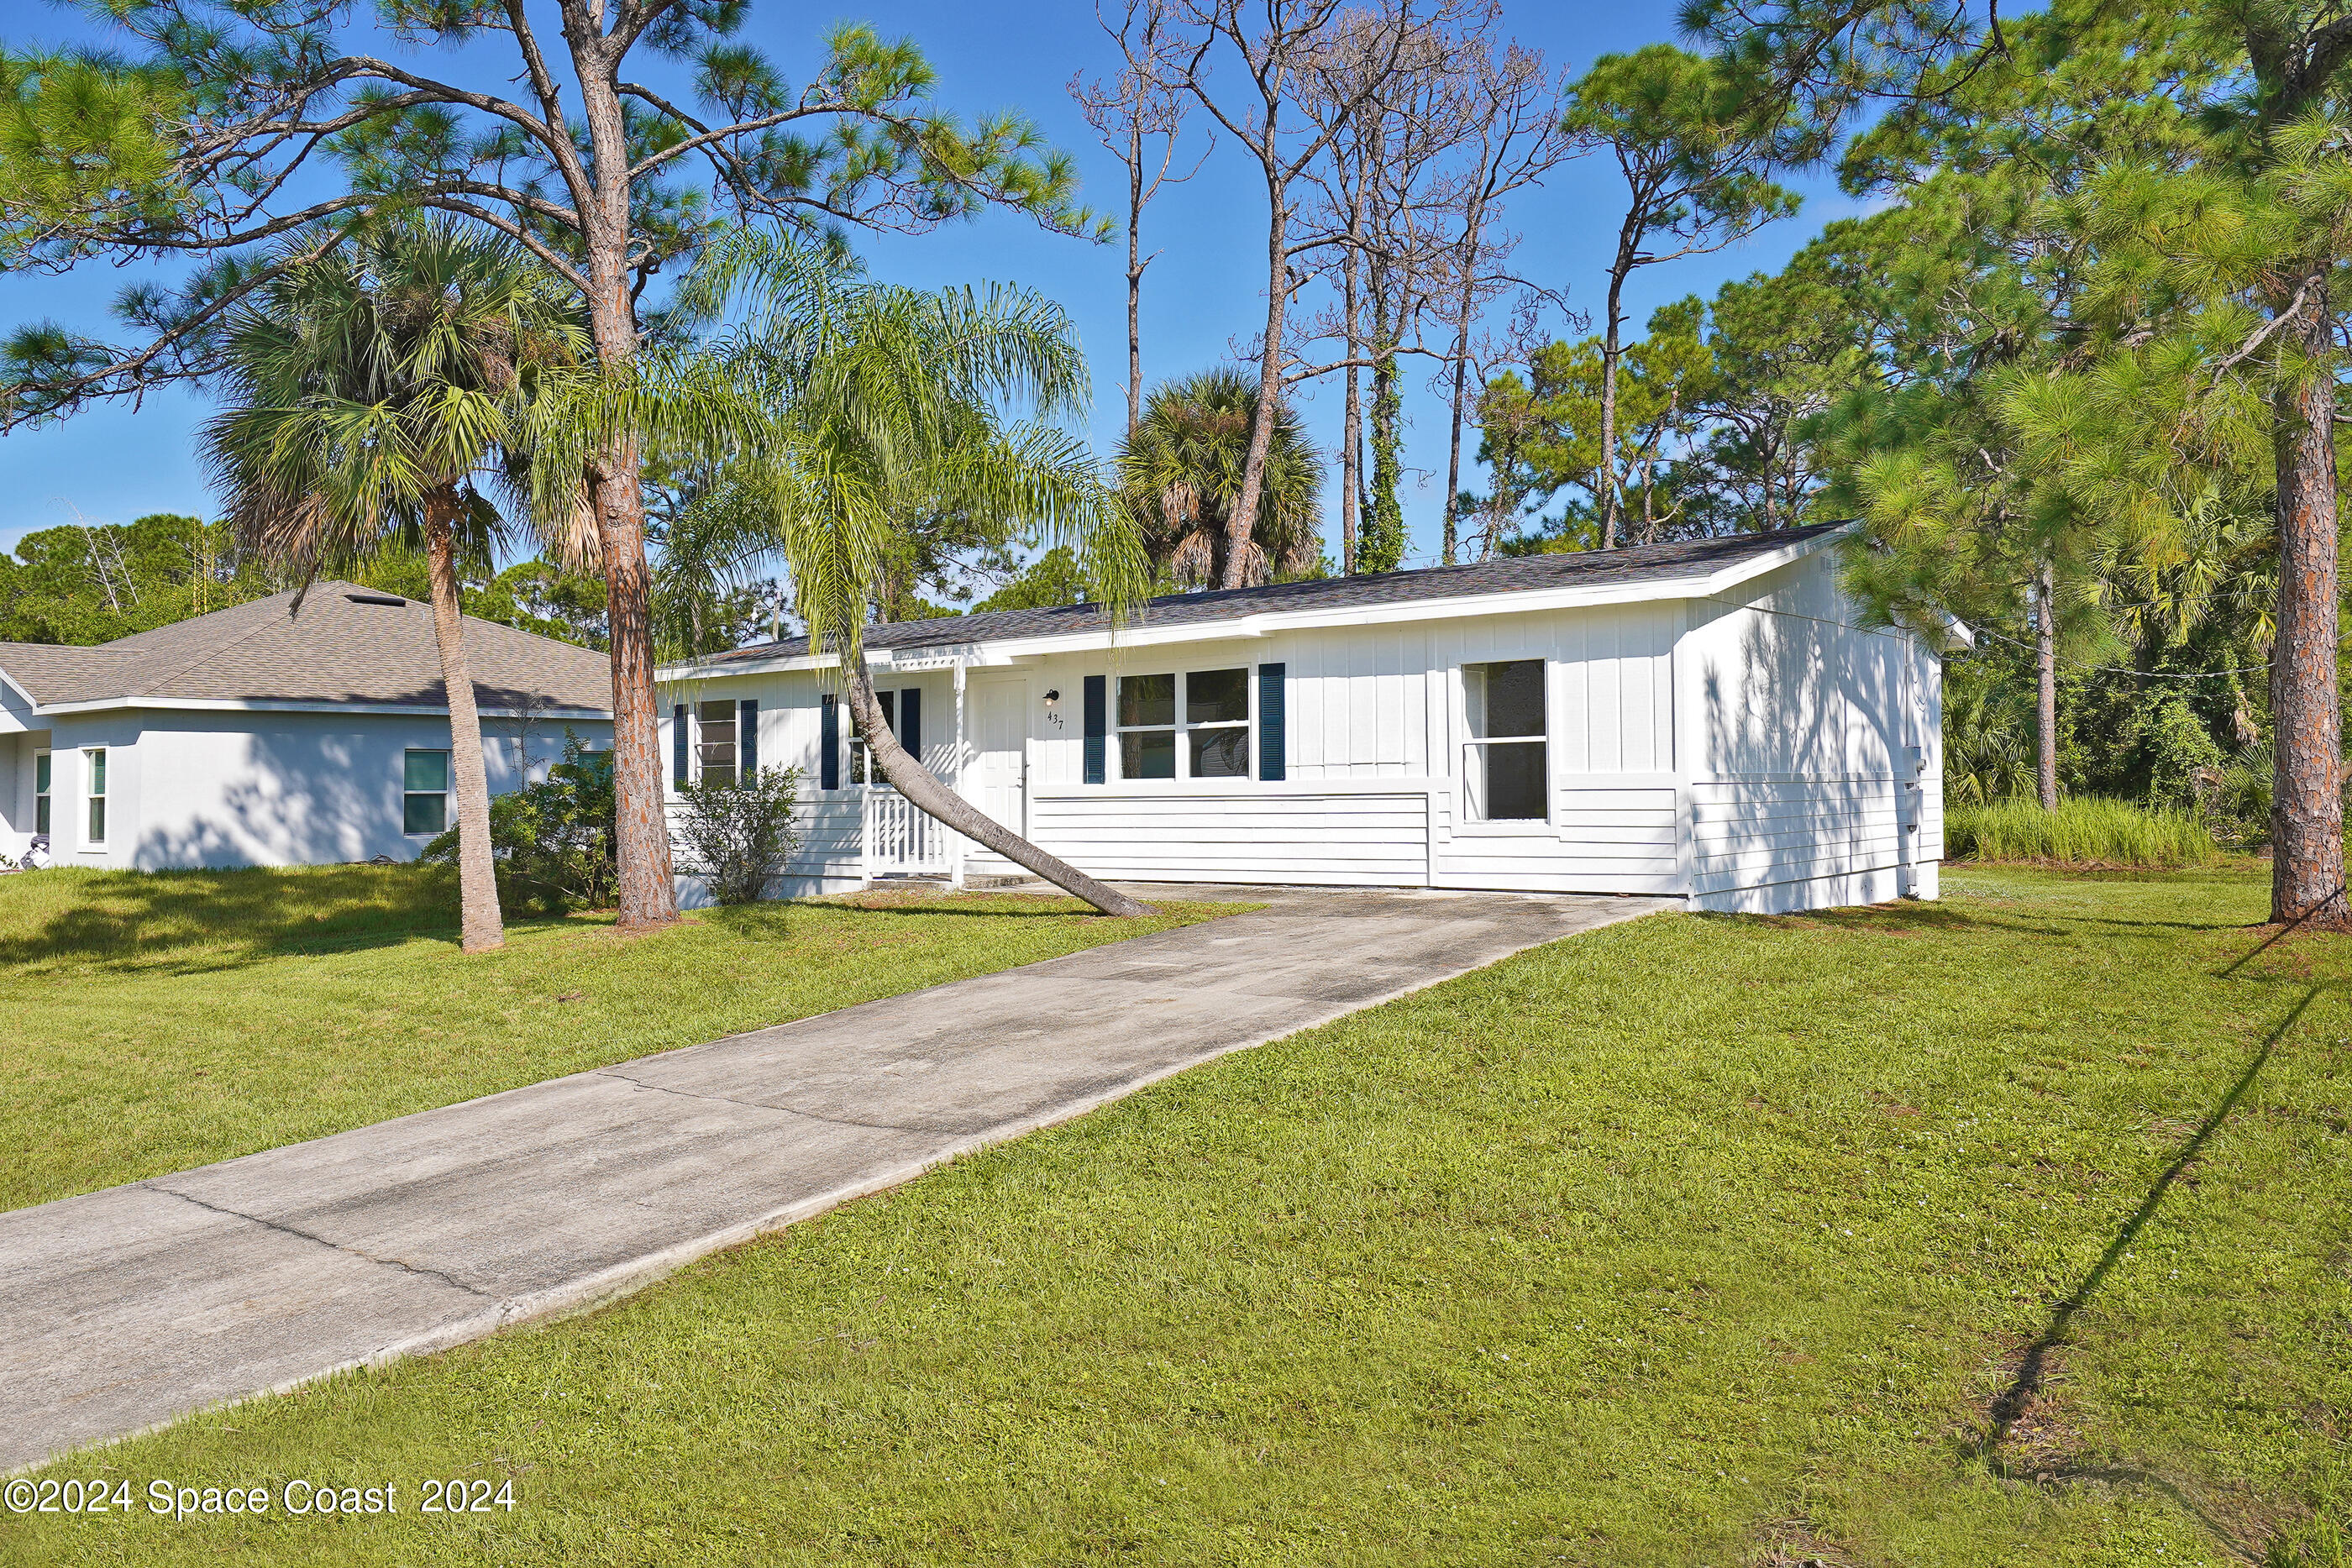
(2079, 831)
(737, 833)
(553, 841)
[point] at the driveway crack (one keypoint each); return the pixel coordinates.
(755, 1105)
(449, 1280)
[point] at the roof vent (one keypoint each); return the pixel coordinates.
(376, 599)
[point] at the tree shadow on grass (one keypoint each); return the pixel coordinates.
(2035, 1365)
(199, 922)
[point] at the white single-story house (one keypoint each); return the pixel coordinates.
(1711, 719)
(260, 735)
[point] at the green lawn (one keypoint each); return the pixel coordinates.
(2008, 1231)
(158, 1022)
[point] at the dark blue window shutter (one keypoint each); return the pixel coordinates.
(678, 741)
(829, 745)
(1272, 742)
(1097, 725)
(910, 721)
(747, 738)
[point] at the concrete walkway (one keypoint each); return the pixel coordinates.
(125, 1309)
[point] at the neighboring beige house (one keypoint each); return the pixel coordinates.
(257, 735)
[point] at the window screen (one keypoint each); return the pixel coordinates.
(1147, 727)
(94, 762)
(424, 793)
(714, 745)
(1506, 763)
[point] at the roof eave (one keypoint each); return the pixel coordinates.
(1513, 602)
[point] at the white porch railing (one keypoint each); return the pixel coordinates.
(900, 839)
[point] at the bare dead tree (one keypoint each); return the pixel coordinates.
(1385, 187)
(1139, 119)
(1269, 45)
(1516, 140)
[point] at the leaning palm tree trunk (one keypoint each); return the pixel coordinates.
(929, 795)
(480, 925)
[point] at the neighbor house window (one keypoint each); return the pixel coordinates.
(1504, 768)
(1190, 725)
(94, 764)
(424, 793)
(41, 776)
(715, 741)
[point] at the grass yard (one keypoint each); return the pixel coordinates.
(2015, 1230)
(161, 1021)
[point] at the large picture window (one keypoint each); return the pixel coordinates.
(424, 793)
(93, 762)
(43, 774)
(1505, 767)
(1195, 724)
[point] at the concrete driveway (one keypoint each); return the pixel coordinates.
(128, 1308)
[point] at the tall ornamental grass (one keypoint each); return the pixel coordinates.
(2079, 832)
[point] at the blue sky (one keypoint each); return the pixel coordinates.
(1202, 298)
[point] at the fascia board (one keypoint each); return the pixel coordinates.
(245, 705)
(1266, 623)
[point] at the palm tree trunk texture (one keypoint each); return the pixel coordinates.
(919, 785)
(480, 927)
(2045, 709)
(2308, 809)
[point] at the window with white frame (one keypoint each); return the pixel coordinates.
(43, 776)
(93, 762)
(715, 740)
(1504, 765)
(424, 793)
(1194, 725)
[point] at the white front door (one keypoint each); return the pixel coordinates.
(1000, 739)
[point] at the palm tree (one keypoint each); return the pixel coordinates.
(368, 391)
(846, 416)
(1181, 473)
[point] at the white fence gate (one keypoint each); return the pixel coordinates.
(902, 839)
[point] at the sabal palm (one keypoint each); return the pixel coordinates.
(1180, 472)
(841, 412)
(369, 392)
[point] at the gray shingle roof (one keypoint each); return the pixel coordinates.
(1506, 574)
(347, 646)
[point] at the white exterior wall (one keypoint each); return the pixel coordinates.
(1751, 753)
(1816, 749)
(220, 787)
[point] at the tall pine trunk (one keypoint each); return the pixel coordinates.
(1135, 265)
(648, 896)
(480, 926)
(1611, 349)
(2045, 700)
(1351, 439)
(923, 788)
(1243, 516)
(2308, 797)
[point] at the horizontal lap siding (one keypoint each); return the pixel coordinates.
(831, 826)
(1378, 840)
(1744, 832)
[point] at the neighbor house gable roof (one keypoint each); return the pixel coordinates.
(346, 646)
(1637, 571)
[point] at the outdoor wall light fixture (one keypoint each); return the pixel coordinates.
(1052, 698)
